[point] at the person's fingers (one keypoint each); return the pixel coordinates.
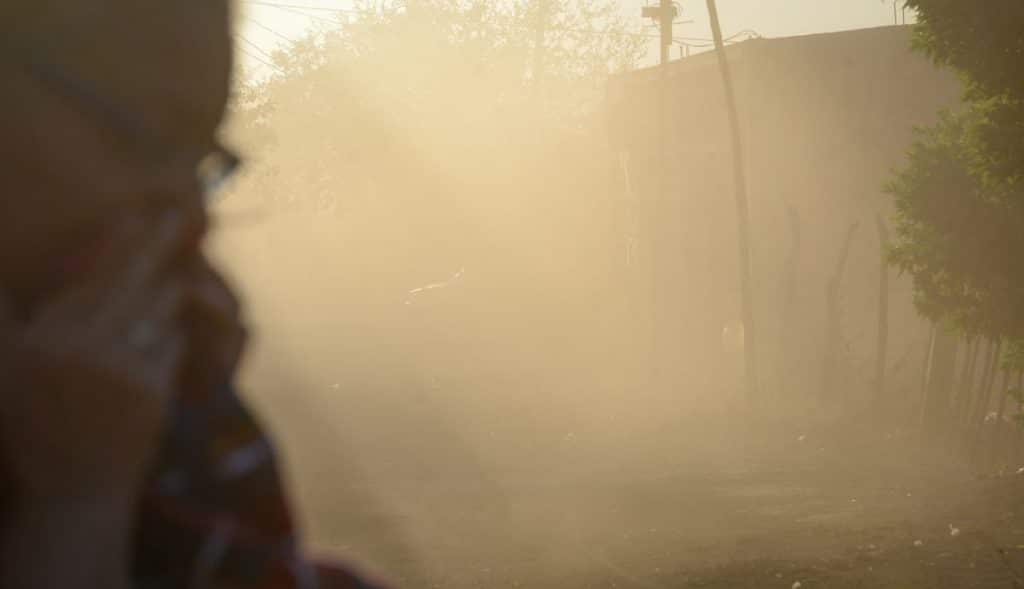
(218, 335)
(164, 362)
(167, 307)
(153, 310)
(128, 251)
(147, 262)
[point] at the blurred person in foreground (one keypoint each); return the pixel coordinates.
(127, 459)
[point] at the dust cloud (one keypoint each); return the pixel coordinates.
(496, 328)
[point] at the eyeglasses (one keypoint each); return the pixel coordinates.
(214, 164)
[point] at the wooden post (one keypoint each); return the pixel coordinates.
(787, 355)
(926, 366)
(1003, 395)
(882, 346)
(742, 210)
(985, 398)
(792, 261)
(973, 387)
(941, 377)
(1018, 426)
(982, 393)
(966, 381)
(997, 435)
(833, 317)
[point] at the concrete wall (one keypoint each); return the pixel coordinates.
(825, 119)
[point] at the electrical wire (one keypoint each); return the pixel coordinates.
(302, 6)
(270, 30)
(693, 42)
(256, 47)
(260, 60)
(298, 11)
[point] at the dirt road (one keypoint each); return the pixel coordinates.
(460, 497)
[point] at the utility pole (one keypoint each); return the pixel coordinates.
(899, 8)
(882, 346)
(742, 211)
(664, 14)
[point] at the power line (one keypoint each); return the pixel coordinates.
(304, 7)
(270, 30)
(298, 7)
(261, 60)
(294, 9)
(693, 42)
(255, 46)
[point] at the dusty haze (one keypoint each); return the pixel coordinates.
(500, 349)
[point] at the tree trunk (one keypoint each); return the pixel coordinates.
(926, 365)
(742, 209)
(882, 348)
(998, 451)
(792, 260)
(941, 374)
(975, 385)
(966, 382)
(833, 316)
(979, 407)
(788, 356)
(985, 400)
(1017, 426)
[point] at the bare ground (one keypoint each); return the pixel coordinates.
(458, 495)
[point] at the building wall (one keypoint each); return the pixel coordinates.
(825, 119)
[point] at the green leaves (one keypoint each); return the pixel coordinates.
(959, 199)
(984, 41)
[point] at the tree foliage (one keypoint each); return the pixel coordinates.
(418, 139)
(435, 87)
(960, 197)
(984, 41)
(958, 236)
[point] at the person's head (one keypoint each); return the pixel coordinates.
(109, 107)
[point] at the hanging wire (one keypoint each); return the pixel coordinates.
(254, 46)
(258, 59)
(281, 36)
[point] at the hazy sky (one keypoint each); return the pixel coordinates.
(770, 18)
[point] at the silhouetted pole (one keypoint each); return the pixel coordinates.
(667, 14)
(926, 369)
(742, 211)
(663, 14)
(882, 350)
(833, 333)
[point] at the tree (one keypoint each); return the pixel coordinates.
(430, 102)
(960, 197)
(985, 43)
(416, 140)
(958, 236)
(449, 81)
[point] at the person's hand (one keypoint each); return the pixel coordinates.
(86, 381)
(216, 334)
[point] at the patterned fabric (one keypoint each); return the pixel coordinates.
(215, 514)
